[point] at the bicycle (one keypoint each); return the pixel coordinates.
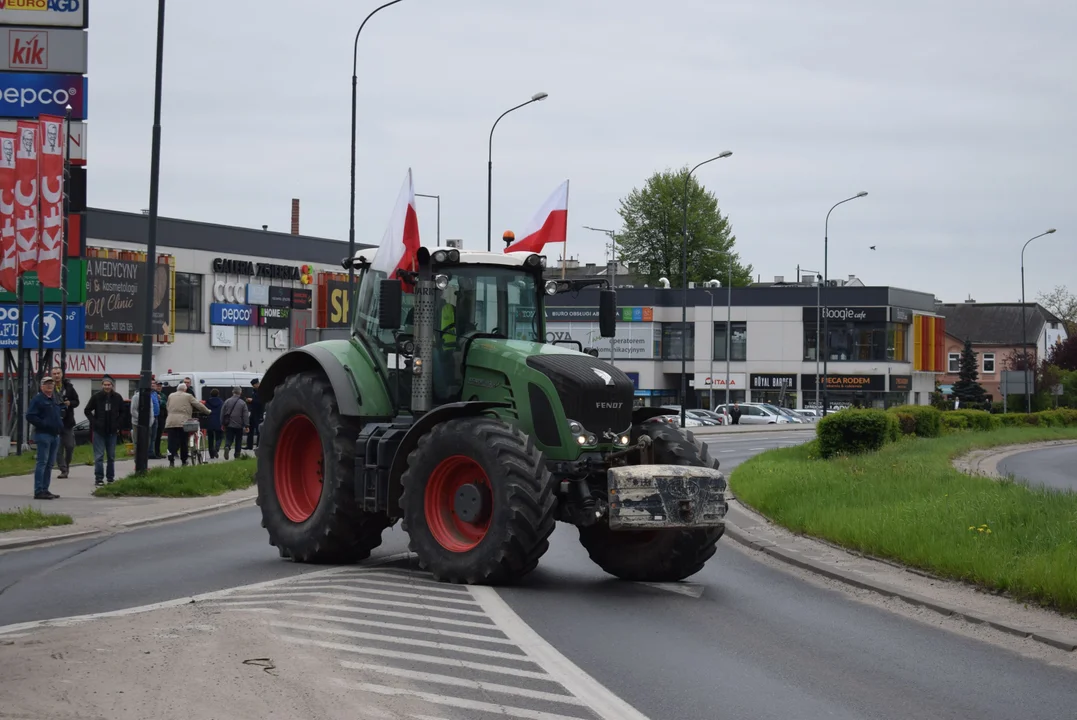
(197, 448)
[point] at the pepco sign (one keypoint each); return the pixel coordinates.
(226, 314)
(53, 13)
(28, 95)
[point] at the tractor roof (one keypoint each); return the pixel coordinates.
(468, 257)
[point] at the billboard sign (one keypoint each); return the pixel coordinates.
(633, 342)
(116, 296)
(336, 304)
(773, 381)
(590, 314)
(230, 314)
(28, 95)
(703, 381)
(50, 13)
(43, 50)
(50, 328)
(274, 317)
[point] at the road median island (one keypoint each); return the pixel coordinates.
(30, 518)
(906, 502)
(214, 478)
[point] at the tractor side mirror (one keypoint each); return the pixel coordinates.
(390, 304)
(607, 313)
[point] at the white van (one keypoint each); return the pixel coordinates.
(205, 381)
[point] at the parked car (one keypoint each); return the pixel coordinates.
(689, 421)
(700, 415)
(757, 414)
(789, 414)
(718, 418)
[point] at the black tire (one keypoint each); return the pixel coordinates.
(519, 499)
(316, 439)
(657, 555)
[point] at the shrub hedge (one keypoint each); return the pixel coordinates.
(919, 420)
(1064, 417)
(971, 420)
(856, 431)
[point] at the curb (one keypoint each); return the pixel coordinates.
(791, 557)
(22, 543)
(748, 429)
(984, 463)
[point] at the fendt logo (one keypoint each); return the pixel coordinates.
(29, 50)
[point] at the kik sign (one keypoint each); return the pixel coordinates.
(43, 50)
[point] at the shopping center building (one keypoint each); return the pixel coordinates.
(886, 344)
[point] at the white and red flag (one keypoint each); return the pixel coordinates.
(400, 244)
(9, 263)
(27, 221)
(51, 175)
(550, 224)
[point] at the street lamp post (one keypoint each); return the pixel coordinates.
(142, 442)
(351, 200)
(490, 167)
(438, 198)
(1024, 313)
(818, 310)
(710, 373)
(684, 302)
(611, 272)
(826, 322)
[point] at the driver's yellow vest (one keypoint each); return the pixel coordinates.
(448, 320)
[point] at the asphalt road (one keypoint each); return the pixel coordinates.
(758, 642)
(1051, 467)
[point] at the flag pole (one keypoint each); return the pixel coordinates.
(20, 369)
(564, 248)
(64, 242)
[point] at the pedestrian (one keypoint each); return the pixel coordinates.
(257, 413)
(213, 425)
(107, 415)
(65, 393)
(235, 417)
(158, 425)
(190, 385)
(46, 415)
(735, 413)
(182, 406)
(136, 413)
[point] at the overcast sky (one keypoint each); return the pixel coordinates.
(958, 117)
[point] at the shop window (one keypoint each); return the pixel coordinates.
(674, 341)
(989, 363)
(738, 341)
(189, 303)
(852, 342)
(953, 363)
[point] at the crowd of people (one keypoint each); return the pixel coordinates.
(51, 414)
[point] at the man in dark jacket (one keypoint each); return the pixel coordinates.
(106, 413)
(158, 422)
(46, 415)
(65, 394)
(235, 417)
(735, 413)
(257, 413)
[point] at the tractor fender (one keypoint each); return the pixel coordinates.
(317, 359)
(423, 425)
(646, 413)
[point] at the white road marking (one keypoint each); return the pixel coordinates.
(406, 628)
(357, 599)
(369, 611)
(601, 701)
(414, 642)
(418, 657)
(359, 581)
(459, 702)
(389, 593)
(694, 590)
(461, 682)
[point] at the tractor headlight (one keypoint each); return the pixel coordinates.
(542, 260)
(581, 439)
(454, 256)
(574, 427)
(441, 281)
(441, 256)
(551, 287)
(417, 366)
(622, 440)
(533, 260)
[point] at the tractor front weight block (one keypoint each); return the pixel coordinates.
(647, 497)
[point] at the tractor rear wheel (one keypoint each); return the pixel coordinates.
(657, 555)
(306, 454)
(478, 502)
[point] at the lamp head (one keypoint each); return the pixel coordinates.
(725, 154)
(862, 193)
(1050, 231)
(539, 96)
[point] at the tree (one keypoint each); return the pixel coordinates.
(968, 389)
(1062, 303)
(1064, 354)
(652, 238)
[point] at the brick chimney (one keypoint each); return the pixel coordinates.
(295, 216)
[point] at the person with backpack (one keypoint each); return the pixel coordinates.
(46, 415)
(235, 419)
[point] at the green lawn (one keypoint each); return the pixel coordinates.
(29, 518)
(907, 503)
(24, 464)
(191, 481)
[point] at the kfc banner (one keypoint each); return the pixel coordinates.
(9, 265)
(26, 218)
(50, 249)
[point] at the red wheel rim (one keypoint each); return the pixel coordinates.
(298, 470)
(451, 532)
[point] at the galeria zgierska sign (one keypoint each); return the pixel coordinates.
(224, 266)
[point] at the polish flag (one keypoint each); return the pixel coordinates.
(550, 224)
(400, 244)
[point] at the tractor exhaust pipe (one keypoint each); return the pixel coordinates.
(422, 386)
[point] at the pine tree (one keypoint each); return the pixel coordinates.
(968, 389)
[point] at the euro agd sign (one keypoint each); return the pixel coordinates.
(46, 13)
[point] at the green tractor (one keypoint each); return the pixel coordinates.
(448, 411)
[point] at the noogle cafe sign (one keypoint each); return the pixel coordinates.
(224, 266)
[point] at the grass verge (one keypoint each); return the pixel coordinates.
(28, 518)
(191, 481)
(24, 464)
(906, 502)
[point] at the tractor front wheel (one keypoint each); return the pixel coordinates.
(306, 461)
(478, 502)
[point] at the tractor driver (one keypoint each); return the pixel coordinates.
(445, 345)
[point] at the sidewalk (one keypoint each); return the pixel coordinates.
(97, 515)
(721, 429)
